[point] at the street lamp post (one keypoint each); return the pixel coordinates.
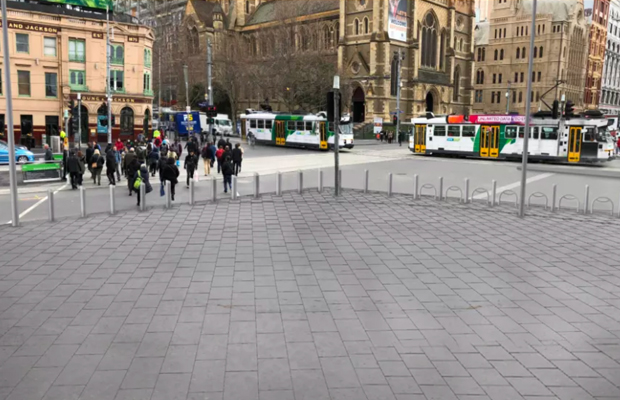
(336, 88)
(188, 108)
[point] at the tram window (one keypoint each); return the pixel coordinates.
(548, 133)
(511, 132)
(300, 125)
(291, 125)
(469, 131)
(521, 130)
(260, 124)
(439, 131)
(589, 135)
(308, 126)
(601, 134)
(454, 130)
(268, 124)
(535, 130)
(253, 123)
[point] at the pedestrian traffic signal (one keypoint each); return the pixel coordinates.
(569, 109)
(555, 111)
(211, 111)
(75, 124)
(395, 120)
(71, 107)
(210, 121)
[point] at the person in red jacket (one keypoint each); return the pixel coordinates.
(219, 154)
(119, 145)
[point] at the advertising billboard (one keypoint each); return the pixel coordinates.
(397, 20)
(188, 123)
(86, 3)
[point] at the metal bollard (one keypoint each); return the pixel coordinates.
(466, 194)
(300, 182)
(82, 202)
(279, 184)
(214, 189)
(440, 188)
(320, 186)
(191, 191)
(416, 181)
(233, 189)
(554, 193)
(50, 205)
(390, 179)
(340, 181)
(168, 195)
(494, 192)
(112, 200)
(586, 200)
(142, 196)
(365, 181)
(256, 185)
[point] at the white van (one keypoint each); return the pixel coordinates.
(222, 125)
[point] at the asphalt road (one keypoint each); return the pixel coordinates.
(379, 159)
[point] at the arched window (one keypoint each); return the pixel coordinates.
(495, 53)
(457, 84)
(518, 52)
(126, 121)
(337, 37)
(357, 26)
(327, 38)
(483, 53)
(535, 51)
(247, 7)
(118, 53)
(479, 54)
(442, 50)
(194, 40)
(480, 77)
(429, 41)
(523, 52)
(501, 54)
(146, 121)
(540, 52)
(460, 44)
(366, 25)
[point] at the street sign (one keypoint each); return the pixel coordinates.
(203, 104)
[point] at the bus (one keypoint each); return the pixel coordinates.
(579, 139)
(289, 130)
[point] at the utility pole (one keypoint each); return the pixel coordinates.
(398, 89)
(528, 104)
(108, 62)
(9, 116)
(188, 108)
(508, 99)
(336, 135)
(159, 85)
(79, 98)
(209, 93)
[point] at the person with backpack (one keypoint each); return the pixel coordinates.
(227, 171)
(170, 173)
(190, 166)
(96, 164)
(142, 176)
(221, 142)
(153, 160)
(132, 168)
(219, 156)
(237, 158)
(110, 160)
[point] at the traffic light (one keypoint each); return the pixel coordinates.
(75, 124)
(555, 111)
(211, 111)
(395, 120)
(71, 107)
(210, 121)
(569, 109)
(330, 106)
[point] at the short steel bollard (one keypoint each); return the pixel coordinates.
(493, 192)
(279, 184)
(256, 185)
(191, 191)
(416, 183)
(366, 174)
(214, 189)
(112, 200)
(587, 199)
(320, 186)
(466, 199)
(82, 202)
(340, 181)
(554, 193)
(142, 196)
(440, 188)
(233, 188)
(390, 181)
(300, 182)
(50, 205)
(168, 195)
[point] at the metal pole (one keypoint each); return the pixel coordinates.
(365, 181)
(209, 88)
(440, 188)
(586, 200)
(390, 176)
(336, 136)
(398, 83)
(233, 189)
(466, 200)
(142, 196)
(50, 204)
(214, 189)
(159, 87)
(528, 104)
(79, 98)
(494, 192)
(188, 108)
(108, 63)
(82, 202)
(300, 182)
(279, 184)
(9, 117)
(112, 200)
(320, 186)
(256, 185)
(554, 192)
(168, 195)
(191, 191)
(416, 181)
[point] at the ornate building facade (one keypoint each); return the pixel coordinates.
(361, 39)
(503, 47)
(610, 94)
(597, 15)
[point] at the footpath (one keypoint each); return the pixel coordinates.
(307, 297)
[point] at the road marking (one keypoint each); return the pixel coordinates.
(514, 185)
(38, 203)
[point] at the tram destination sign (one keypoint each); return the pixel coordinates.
(497, 119)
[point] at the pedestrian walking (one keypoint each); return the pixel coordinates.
(237, 158)
(153, 160)
(96, 164)
(227, 153)
(207, 156)
(389, 137)
(117, 165)
(110, 160)
(48, 153)
(89, 154)
(82, 161)
(219, 153)
(190, 166)
(401, 137)
(382, 135)
(227, 171)
(73, 166)
(132, 168)
(119, 145)
(141, 176)
(170, 173)
(179, 150)
(221, 142)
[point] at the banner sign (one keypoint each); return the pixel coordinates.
(378, 125)
(397, 20)
(101, 4)
(26, 26)
(188, 123)
(115, 99)
(497, 119)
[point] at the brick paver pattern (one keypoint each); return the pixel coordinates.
(309, 298)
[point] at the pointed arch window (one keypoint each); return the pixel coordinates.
(518, 52)
(457, 84)
(430, 27)
(366, 26)
(540, 52)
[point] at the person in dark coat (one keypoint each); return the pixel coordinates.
(132, 168)
(49, 156)
(237, 158)
(190, 166)
(127, 160)
(143, 173)
(73, 166)
(89, 154)
(96, 162)
(227, 153)
(227, 171)
(153, 160)
(219, 154)
(110, 160)
(221, 142)
(82, 161)
(170, 173)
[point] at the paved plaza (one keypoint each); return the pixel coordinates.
(303, 297)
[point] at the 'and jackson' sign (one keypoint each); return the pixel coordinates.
(115, 99)
(27, 26)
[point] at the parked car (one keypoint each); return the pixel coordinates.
(22, 155)
(17, 146)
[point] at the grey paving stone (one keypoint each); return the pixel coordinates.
(142, 373)
(171, 387)
(339, 372)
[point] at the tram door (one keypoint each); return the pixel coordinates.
(574, 144)
(419, 139)
(323, 135)
(280, 133)
(489, 141)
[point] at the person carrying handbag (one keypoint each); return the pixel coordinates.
(96, 165)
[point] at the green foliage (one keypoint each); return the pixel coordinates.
(87, 3)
